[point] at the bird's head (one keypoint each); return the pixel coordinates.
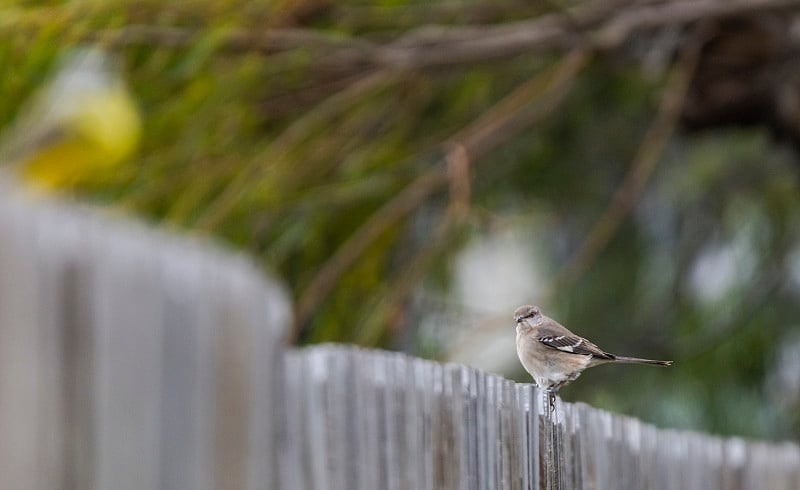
(77, 128)
(527, 314)
(89, 98)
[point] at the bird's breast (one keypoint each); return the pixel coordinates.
(547, 370)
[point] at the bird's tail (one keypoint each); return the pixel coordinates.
(636, 360)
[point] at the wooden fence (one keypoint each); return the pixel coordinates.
(130, 359)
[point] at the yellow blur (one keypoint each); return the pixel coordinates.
(77, 129)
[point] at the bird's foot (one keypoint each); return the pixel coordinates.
(551, 398)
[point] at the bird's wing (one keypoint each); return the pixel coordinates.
(556, 336)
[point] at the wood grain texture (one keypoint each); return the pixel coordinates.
(130, 358)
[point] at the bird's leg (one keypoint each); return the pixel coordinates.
(551, 396)
(553, 391)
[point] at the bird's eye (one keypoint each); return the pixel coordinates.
(525, 313)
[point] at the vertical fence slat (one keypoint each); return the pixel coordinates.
(128, 342)
(293, 457)
(182, 435)
(423, 435)
(267, 312)
(20, 365)
(390, 414)
(528, 406)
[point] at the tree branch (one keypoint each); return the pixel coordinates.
(219, 208)
(526, 105)
(624, 197)
(603, 26)
(647, 156)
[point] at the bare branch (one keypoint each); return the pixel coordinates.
(390, 303)
(647, 156)
(603, 26)
(349, 252)
(526, 105)
(268, 41)
(624, 197)
(219, 208)
(515, 111)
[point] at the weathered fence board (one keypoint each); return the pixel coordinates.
(478, 431)
(132, 359)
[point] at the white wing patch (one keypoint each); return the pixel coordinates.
(562, 342)
(571, 348)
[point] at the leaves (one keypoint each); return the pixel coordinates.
(356, 149)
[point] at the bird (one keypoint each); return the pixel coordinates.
(76, 129)
(554, 356)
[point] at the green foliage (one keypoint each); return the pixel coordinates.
(287, 158)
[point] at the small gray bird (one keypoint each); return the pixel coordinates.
(553, 355)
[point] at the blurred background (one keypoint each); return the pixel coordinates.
(416, 170)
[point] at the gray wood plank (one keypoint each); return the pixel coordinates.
(20, 351)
